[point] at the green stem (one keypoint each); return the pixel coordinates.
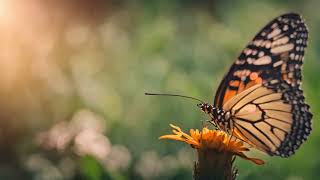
(214, 165)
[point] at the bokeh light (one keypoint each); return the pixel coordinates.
(74, 74)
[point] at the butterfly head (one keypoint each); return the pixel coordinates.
(205, 107)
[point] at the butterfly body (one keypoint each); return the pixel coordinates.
(260, 99)
(219, 117)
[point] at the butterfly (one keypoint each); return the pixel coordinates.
(260, 99)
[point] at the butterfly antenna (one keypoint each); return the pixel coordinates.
(177, 95)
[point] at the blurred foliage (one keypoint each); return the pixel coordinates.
(74, 75)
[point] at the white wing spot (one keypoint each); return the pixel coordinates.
(240, 61)
(283, 67)
(283, 40)
(247, 51)
(290, 75)
(292, 56)
(278, 63)
(274, 33)
(283, 48)
(249, 60)
(268, 45)
(261, 53)
(274, 25)
(257, 42)
(254, 52)
(263, 60)
(274, 81)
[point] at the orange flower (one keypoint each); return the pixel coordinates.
(215, 140)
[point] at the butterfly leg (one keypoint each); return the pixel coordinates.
(230, 129)
(204, 123)
(214, 124)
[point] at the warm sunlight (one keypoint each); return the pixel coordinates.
(74, 73)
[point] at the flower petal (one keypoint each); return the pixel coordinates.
(211, 139)
(255, 160)
(172, 137)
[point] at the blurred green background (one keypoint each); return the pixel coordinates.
(73, 76)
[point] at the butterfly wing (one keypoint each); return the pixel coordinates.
(275, 53)
(272, 60)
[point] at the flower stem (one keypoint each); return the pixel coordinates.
(214, 165)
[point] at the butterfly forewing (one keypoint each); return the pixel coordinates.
(262, 88)
(275, 53)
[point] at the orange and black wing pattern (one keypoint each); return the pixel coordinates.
(273, 59)
(275, 53)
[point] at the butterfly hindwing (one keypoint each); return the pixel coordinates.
(263, 118)
(262, 88)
